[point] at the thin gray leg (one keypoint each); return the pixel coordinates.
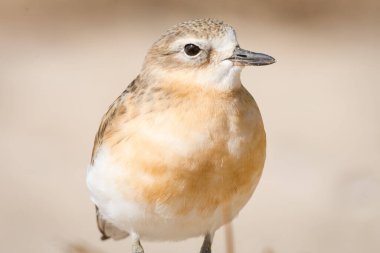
(136, 245)
(206, 246)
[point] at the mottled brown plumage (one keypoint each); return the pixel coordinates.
(115, 109)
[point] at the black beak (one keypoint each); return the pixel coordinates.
(245, 57)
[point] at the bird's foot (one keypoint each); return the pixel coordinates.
(136, 247)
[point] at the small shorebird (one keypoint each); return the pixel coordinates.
(183, 143)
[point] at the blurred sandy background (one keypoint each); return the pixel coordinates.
(63, 62)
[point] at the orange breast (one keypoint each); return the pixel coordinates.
(195, 156)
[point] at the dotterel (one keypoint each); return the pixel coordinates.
(183, 143)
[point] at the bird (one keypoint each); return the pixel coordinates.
(180, 152)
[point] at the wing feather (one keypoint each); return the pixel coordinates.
(108, 118)
(107, 229)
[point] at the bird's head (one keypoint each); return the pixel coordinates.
(203, 52)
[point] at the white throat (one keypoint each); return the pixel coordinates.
(223, 77)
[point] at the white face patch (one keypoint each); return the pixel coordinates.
(227, 43)
(220, 73)
(223, 76)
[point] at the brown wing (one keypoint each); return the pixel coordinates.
(106, 228)
(108, 117)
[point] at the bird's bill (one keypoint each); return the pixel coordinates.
(245, 57)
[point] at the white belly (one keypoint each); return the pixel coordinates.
(151, 221)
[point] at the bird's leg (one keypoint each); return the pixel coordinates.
(206, 246)
(136, 245)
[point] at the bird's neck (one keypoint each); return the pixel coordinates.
(223, 80)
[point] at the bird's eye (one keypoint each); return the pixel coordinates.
(191, 49)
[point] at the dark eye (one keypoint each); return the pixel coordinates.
(191, 49)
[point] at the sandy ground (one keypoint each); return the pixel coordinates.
(60, 68)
